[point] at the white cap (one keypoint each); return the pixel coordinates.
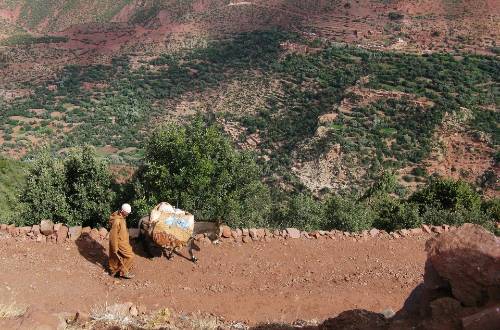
(126, 208)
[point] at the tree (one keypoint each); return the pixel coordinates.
(74, 191)
(348, 214)
(197, 168)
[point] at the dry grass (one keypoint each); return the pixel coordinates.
(112, 316)
(12, 310)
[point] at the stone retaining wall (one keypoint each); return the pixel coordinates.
(48, 232)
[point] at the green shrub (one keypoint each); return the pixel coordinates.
(492, 208)
(447, 194)
(394, 214)
(196, 168)
(74, 191)
(395, 16)
(11, 180)
(304, 212)
(348, 214)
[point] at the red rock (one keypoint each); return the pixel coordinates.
(304, 234)
(404, 232)
(75, 232)
(267, 233)
(416, 231)
(253, 234)
(323, 232)
(24, 230)
(446, 228)
(293, 233)
(374, 232)
(225, 231)
(46, 227)
(395, 235)
(469, 259)
(239, 232)
(445, 307)
(261, 233)
(3, 227)
(276, 233)
(315, 234)
(94, 234)
(246, 239)
(234, 234)
(487, 319)
(41, 239)
(62, 234)
(426, 229)
(57, 226)
(103, 232)
(244, 232)
(35, 230)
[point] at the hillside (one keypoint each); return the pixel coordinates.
(327, 93)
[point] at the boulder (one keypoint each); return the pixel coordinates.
(244, 232)
(293, 233)
(469, 259)
(62, 234)
(253, 234)
(225, 231)
(487, 319)
(374, 232)
(46, 227)
(75, 232)
(24, 230)
(426, 229)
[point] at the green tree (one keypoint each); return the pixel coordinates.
(197, 168)
(348, 214)
(75, 190)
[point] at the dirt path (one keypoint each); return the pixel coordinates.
(281, 280)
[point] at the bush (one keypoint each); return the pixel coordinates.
(456, 217)
(447, 194)
(74, 191)
(304, 212)
(393, 214)
(348, 214)
(196, 168)
(395, 16)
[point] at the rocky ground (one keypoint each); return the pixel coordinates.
(281, 280)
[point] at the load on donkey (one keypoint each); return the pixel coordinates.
(170, 229)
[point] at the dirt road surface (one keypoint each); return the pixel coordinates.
(279, 281)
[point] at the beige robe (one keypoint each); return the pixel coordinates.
(121, 255)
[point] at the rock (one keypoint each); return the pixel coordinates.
(395, 235)
(404, 232)
(239, 232)
(416, 231)
(41, 239)
(46, 227)
(82, 317)
(133, 311)
(426, 229)
(487, 319)
(234, 234)
(315, 234)
(374, 232)
(445, 307)
(276, 233)
(437, 229)
(62, 234)
(293, 233)
(323, 232)
(199, 237)
(304, 234)
(75, 232)
(103, 232)
(57, 226)
(469, 259)
(14, 231)
(246, 239)
(25, 230)
(94, 234)
(267, 233)
(3, 227)
(133, 232)
(253, 234)
(86, 230)
(261, 233)
(225, 231)
(244, 232)
(358, 319)
(35, 230)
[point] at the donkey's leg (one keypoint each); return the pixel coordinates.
(190, 250)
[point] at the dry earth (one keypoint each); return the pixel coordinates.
(280, 280)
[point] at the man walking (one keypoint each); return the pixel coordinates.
(121, 255)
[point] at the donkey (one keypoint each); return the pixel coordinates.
(168, 245)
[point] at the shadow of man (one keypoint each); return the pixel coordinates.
(92, 250)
